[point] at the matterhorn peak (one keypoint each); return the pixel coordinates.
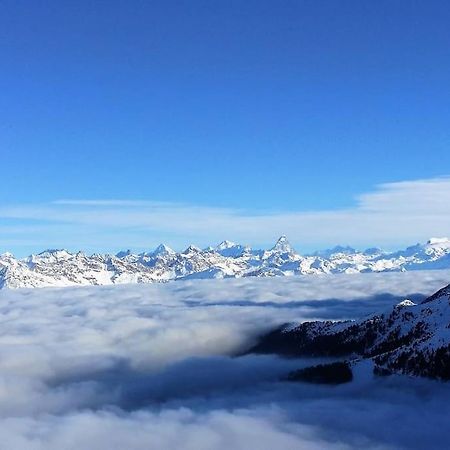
(162, 249)
(282, 245)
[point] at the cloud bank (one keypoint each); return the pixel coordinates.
(394, 214)
(155, 367)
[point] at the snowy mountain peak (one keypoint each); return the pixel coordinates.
(53, 251)
(192, 249)
(282, 246)
(231, 250)
(52, 254)
(405, 303)
(439, 242)
(162, 249)
(225, 245)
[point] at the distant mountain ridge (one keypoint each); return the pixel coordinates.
(227, 260)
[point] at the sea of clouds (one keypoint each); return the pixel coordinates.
(158, 367)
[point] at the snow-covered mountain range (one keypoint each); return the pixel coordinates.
(62, 268)
(409, 338)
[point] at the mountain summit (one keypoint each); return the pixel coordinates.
(225, 244)
(282, 246)
(162, 249)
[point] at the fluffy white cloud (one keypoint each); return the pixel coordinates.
(152, 367)
(394, 214)
(177, 429)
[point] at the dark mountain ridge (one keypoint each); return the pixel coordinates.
(411, 339)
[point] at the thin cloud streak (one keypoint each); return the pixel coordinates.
(394, 214)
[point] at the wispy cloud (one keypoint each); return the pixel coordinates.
(393, 214)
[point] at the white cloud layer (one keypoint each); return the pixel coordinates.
(151, 367)
(394, 214)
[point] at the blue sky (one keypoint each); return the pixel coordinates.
(250, 108)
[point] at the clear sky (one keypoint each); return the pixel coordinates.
(214, 107)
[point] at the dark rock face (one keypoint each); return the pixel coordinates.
(410, 339)
(334, 373)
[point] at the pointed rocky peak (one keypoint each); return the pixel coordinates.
(7, 259)
(123, 253)
(225, 245)
(191, 249)
(282, 246)
(99, 257)
(162, 249)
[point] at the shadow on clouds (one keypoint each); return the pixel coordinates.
(331, 309)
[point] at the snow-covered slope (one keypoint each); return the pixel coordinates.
(409, 339)
(62, 268)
